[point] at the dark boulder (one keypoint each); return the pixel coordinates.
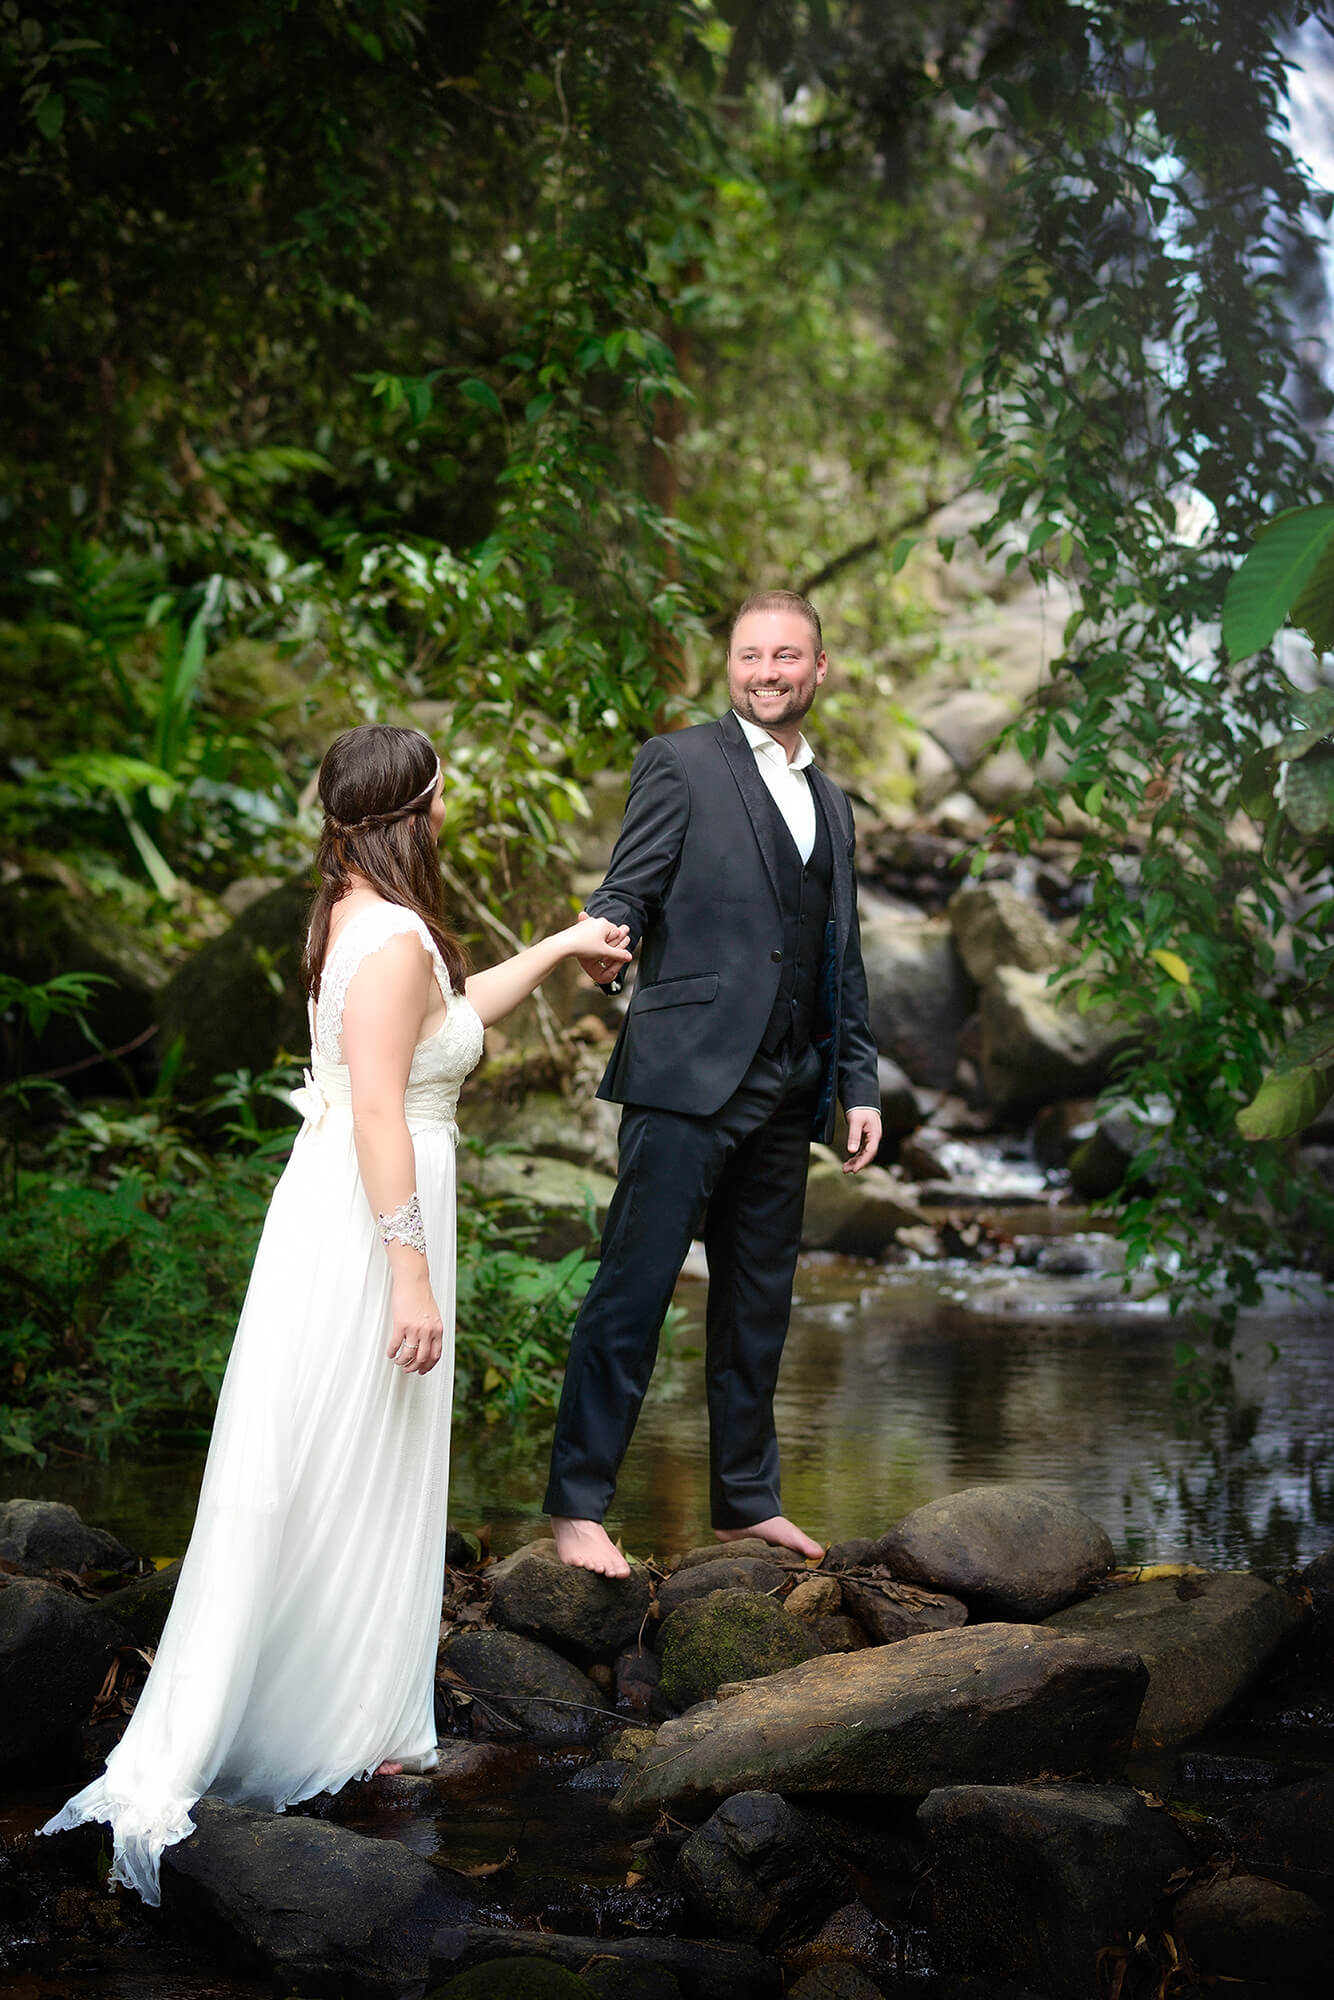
(238, 1001)
(702, 1970)
(889, 1610)
(1317, 1580)
(528, 1685)
(141, 1608)
(1244, 1927)
(1010, 1551)
(515, 1979)
(758, 1871)
(730, 1635)
(54, 1654)
(46, 1534)
(583, 1615)
(1032, 1883)
(1289, 1832)
(326, 1910)
(739, 1573)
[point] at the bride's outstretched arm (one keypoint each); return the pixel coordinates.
(386, 1004)
(496, 992)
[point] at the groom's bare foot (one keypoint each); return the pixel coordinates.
(587, 1545)
(784, 1534)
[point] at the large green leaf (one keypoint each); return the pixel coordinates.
(1262, 592)
(1308, 791)
(1314, 608)
(1311, 1046)
(1286, 1104)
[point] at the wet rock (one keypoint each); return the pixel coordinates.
(993, 925)
(54, 1653)
(141, 1608)
(1013, 1551)
(1318, 1580)
(748, 1548)
(46, 1534)
(1244, 1927)
(239, 999)
(851, 1554)
(890, 1611)
(527, 1684)
(988, 1703)
(730, 1635)
(1031, 1883)
(814, 1597)
(834, 1982)
(629, 1745)
(1204, 1640)
(584, 1615)
(851, 1940)
(839, 1632)
(920, 995)
(900, 1107)
(551, 1123)
(636, 1674)
(1289, 1833)
(856, 1214)
(1037, 1048)
(735, 1573)
(922, 1157)
(703, 1971)
(1057, 1130)
(567, 1204)
(515, 1979)
(326, 1910)
(617, 1979)
(966, 722)
(757, 1871)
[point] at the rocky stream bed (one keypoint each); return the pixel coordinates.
(968, 1757)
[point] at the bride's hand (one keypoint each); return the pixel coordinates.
(600, 947)
(417, 1336)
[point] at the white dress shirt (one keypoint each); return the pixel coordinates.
(787, 782)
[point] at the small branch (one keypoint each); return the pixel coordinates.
(933, 504)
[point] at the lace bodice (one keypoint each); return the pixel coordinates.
(440, 1063)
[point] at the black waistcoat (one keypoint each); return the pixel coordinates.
(804, 899)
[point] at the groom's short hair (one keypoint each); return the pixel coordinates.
(780, 600)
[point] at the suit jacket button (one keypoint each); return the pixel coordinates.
(776, 957)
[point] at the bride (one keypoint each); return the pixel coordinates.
(300, 1649)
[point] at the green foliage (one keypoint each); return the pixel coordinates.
(1140, 403)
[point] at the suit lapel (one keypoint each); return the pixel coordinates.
(741, 759)
(838, 841)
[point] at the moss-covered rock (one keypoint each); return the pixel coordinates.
(731, 1635)
(514, 1979)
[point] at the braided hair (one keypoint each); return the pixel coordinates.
(376, 785)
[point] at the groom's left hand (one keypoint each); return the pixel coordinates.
(863, 1140)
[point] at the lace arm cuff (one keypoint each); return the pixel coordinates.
(404, 1226)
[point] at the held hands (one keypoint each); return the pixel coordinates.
(417, 1336)
(863, 1140)
(599, 946)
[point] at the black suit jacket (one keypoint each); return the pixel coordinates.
(694, 874)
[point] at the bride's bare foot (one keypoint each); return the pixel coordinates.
(388, 1770)
(587, 1545)
(784, 1534)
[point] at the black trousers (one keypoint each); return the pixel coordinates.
(741, 1174)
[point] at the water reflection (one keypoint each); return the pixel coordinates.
(901, 1385)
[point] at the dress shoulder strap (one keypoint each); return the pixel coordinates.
(361, 936)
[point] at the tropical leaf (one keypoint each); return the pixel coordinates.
(1312, 1046)
(1261, 593)
(1314, 607)
(1284, 1105)
(1308, 791)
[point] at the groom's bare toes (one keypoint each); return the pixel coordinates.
(587, 1545)
(784, 1534)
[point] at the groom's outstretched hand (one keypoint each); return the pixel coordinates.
(863, 1140)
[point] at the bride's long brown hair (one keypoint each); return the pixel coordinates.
(376, 786)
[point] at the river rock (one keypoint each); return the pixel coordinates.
(326, 1910)
(851, 1554)
(46, 1534)
(987, 1703)
(1033, 1882)
(1244, 1927)
(516, 1979)
(1317, 1579)
(582, 1614)
(1037, 1047)
(920, 996)
(54, 1654)
(993, 925)
(890, 1611)
(857, 1214)
(840, 1632)
(1204, 1640)
(746, 1548)
(556, 1124)
(1289, 1832)
(702, 1970)
(528, 1684)
(757, 1871)
(238, 1001)
(566, 1205)
(834, 1982)
(623, 1979)
(1011, 1551)
(735, 1573)
(814, 1597)
(900, 1108)
(966, 722)
(730, 1635)
(140, 1609)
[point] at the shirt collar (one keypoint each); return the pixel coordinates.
(760, 739)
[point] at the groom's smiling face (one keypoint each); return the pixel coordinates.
(773, 669)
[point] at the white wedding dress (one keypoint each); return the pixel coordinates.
(300, 1649)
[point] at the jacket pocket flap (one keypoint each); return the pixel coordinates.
(675, 992)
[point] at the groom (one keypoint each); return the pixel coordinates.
(733, 871)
